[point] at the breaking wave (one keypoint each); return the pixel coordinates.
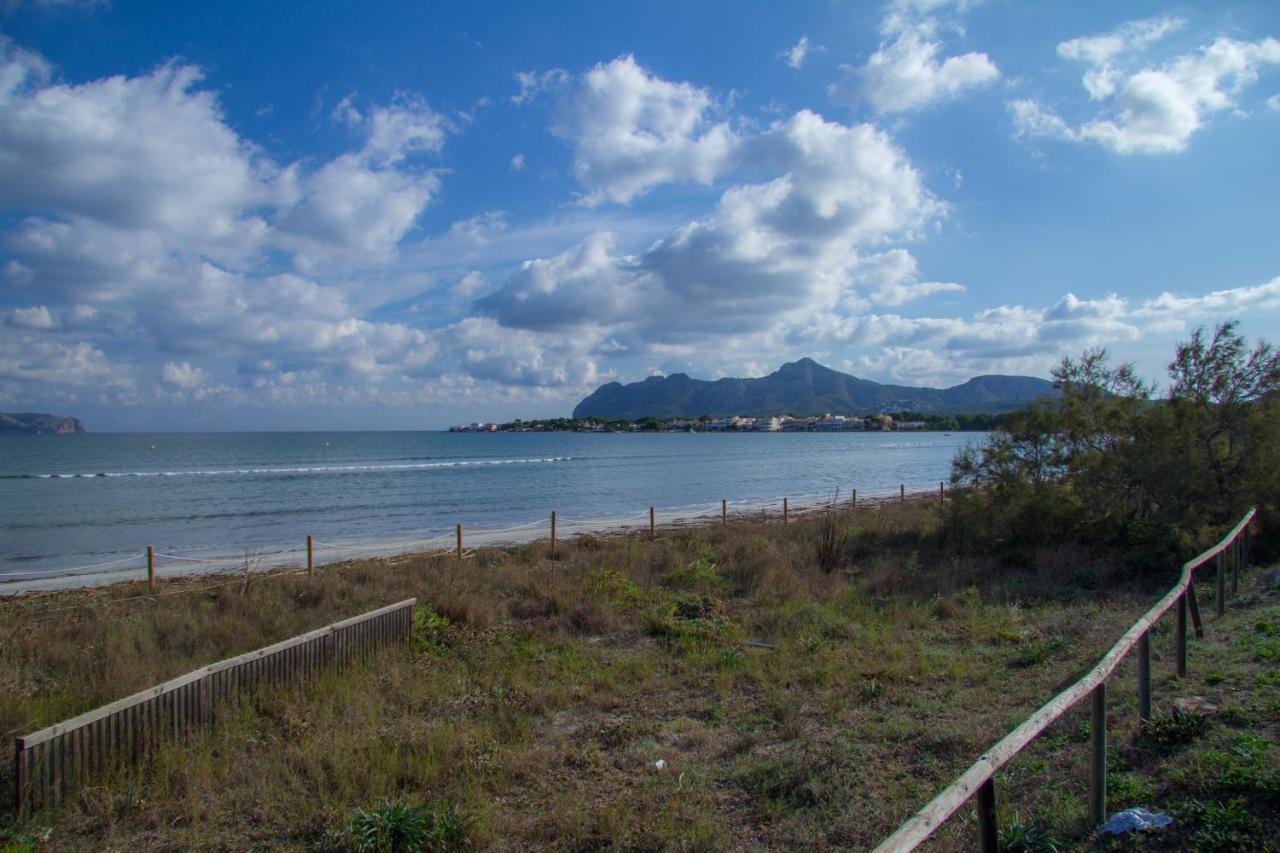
(294, 471)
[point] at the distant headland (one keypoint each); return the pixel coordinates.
(36, 423)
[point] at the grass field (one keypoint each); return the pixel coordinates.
(756, 686)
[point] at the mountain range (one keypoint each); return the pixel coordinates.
(802, 388)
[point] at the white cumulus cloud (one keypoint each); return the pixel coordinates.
(182, 375)
(795, 55)
(631, 131)
(910, 69)
(1148, 108)
(768, 250)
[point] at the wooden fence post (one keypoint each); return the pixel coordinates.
(853, 499)
(942, 494)
(902, 493)
(311, 560)
(1144, 676)
(1222, 584)
(1193, 604)
(724, 512)
(988, 827)
(459, 544)
(151, 570)
(653, 527)
(20, 777)
(1235, 567)
(1181, 636)
(1098, 773)
(785, 513)
(553, 532)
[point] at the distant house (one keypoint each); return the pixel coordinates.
(911, 425)
(773, 424)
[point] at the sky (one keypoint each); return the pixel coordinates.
(384, 215)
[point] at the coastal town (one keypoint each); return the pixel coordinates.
(882, 422)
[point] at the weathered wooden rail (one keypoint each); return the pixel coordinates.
(979, 779)
(51, 763)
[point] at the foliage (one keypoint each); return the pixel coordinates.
(429, 627)
(391, 827)
(1107, 464)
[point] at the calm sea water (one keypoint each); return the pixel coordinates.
(80, 509)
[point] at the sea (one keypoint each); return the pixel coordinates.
(79, 510)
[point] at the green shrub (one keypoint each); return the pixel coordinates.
(429, 627)
(616, 588)
(698, 575)
(1177, 728)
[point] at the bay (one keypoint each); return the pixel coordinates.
(82, 509)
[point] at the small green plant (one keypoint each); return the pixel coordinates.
(1178, 728)
(731, 657)
(429, 627)
(391, 826)
(1019, 837)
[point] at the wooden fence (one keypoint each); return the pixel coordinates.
(51, 763)
(979, 779)
(450, 542)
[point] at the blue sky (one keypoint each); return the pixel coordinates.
(405, 215)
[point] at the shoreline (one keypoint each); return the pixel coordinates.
(285, 561)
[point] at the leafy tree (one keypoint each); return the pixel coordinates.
(1225, 405)
(1106, 463)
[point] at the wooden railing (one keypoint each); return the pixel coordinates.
(51, 763)
(979, 778)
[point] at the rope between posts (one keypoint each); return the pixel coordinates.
(74, 570)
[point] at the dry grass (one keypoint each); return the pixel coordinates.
(560, 679)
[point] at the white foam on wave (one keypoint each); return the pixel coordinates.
(313, 469)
